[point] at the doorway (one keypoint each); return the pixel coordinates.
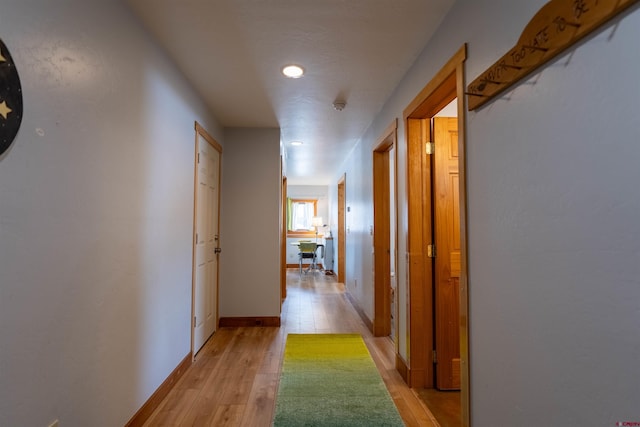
(206, 240)
(436, 237)
(385, 234)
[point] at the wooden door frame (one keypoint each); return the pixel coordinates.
(342, 193)
(201, 131)
(283, 238)
(382, 206)
(447, 84)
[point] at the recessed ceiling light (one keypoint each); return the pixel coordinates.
(296, 143)
(293, 71)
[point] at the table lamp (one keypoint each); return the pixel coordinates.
(316, 222)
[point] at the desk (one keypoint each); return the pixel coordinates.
(314, 263)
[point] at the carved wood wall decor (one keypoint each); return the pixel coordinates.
(10, 99)
(557, 26)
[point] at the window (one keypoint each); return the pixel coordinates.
(299, 214)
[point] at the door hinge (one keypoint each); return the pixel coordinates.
(196, 238)
(431, 251)
(198, 158)
(430, 147)
(435, 358)
(194, 321)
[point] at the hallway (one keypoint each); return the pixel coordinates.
(234, 379)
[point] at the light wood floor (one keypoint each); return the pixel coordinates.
(444, 405)
(234, 379)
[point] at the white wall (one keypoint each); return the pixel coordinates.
(250, 224)
(554, 258)
(558, 212)
(359, 222)
(96, 216)
(319, 192)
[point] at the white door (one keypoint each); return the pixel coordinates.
(205, 299)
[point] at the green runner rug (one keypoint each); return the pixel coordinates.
(331, 380)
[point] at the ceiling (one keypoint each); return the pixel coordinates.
(353, 51)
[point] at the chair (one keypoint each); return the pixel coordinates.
(307, 250)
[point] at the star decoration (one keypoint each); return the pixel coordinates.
(4, 110)
(2, 58)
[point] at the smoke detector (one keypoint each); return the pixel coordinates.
(339, 105)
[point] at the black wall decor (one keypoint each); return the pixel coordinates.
(10, 99)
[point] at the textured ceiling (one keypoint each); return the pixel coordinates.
(355, 51)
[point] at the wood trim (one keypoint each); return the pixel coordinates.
(194, 229)
(303, 264)
(156, 398)
(384, 143)
(447, 84)
(419, 235)
(402, 368)
(342, 235)
(381, 245)
(301, 233)
(283, 238)
(240, 322)
(465, 385)
(417, 108)
(382, 231)
(211, 140)
(297, 234)
(395, 259)
(360, 311)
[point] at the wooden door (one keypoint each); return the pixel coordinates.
(381, 243)
(205, 305)
(447, 260)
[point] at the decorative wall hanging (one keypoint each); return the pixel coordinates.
(557, 26)
(10, 99)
